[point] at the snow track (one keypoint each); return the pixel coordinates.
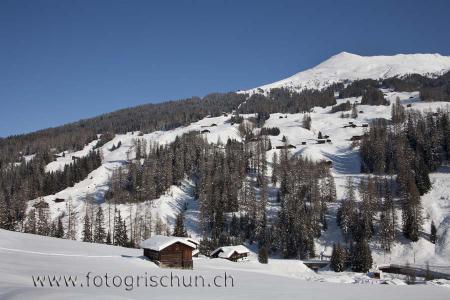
(58, 254)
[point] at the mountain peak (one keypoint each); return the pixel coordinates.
(347, 66)
(344, 54)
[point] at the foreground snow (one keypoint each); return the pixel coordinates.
(23, 256)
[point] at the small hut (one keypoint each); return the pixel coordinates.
(169, 251)
(41, 204)
(233, 253)
(377, 274)
(356, 138)
(286, 147)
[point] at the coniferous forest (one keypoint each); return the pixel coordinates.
(234, 180)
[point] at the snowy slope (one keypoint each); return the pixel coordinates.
(66, 157)
(97, 182)
(345, 163)
(347, 66)
(345, 160)
(23, 256)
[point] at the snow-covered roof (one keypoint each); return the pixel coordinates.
(193, 241)
(160, 242)
(227, 251)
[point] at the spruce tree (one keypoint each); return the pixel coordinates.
(4, 213)
(274, 178)
(428, 274)
(108, 238)
(158, 225)
(354, 113)
(119, 233)
(306, 122)
(347, 212)
(411, 211)
(234, 226)
(338, 258)
(43, 221)
(99, 229)
(263, 256)
(31, 222)
(87, 229)
(361, 257)
(398, 112)
(433, 233)
(59, 228)
(179, 229)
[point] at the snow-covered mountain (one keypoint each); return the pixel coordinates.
(347, 66)
(41, 253)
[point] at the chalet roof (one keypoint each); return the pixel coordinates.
(193, 241)
(227, 251)
(160, 242)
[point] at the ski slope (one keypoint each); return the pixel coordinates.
(287, 279)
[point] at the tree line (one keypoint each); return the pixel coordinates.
(29, 180)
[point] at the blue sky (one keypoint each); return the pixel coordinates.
(62, 60)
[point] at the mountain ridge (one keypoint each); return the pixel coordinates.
(348, 66)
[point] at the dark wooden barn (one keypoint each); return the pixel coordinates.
(169, 251)
(286, 147)
(356, 137)
(41, 204)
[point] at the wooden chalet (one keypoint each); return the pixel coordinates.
(356, 137)
(41, 204)
(322, 141)
(286, 147)
(233, 253)
(170, 251)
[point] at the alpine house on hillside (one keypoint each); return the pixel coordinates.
(233, 253)
(170, 251)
